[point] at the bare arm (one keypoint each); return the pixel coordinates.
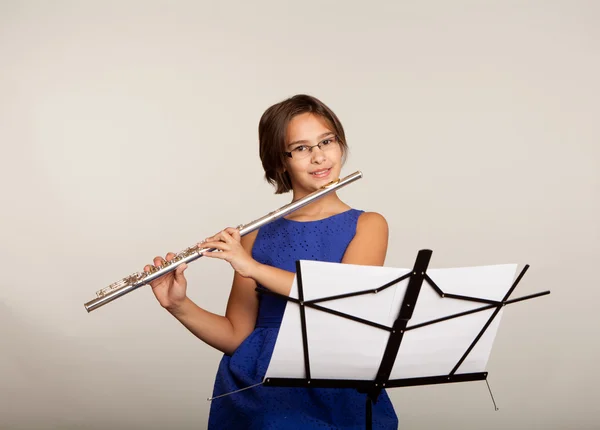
(370, 243)
(273, 278)
(368, 248)
(224, 333)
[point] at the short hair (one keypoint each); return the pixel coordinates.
(272, 130)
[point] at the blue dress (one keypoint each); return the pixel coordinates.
(280, 244)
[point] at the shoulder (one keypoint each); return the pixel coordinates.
(372, 222)
(369, 244)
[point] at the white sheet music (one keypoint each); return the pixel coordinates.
(340, 348)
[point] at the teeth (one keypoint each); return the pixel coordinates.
(320, 172)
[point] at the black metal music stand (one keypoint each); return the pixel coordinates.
(373, 388)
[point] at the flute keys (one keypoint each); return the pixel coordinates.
(128, 280)
(186, 253)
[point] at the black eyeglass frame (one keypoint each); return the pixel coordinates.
(310, 147)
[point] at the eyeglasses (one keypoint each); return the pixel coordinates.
(303, 151)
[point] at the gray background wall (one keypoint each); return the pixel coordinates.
(129, 129)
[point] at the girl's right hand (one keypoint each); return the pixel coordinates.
(169, 289)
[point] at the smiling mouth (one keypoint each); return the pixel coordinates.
(321, 173)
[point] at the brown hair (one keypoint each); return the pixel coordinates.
(272, 130)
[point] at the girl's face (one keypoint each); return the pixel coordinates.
(311, 168)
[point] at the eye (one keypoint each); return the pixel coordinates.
(328, 141)
(301, 148)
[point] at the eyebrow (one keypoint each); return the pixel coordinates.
(306, 141)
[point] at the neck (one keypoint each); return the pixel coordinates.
(324, 206)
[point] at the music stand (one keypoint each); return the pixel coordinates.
(390, 372)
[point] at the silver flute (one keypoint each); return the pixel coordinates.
(138, 279)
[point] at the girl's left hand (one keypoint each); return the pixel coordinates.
(228, 242)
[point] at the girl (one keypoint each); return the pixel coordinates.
(302, 147)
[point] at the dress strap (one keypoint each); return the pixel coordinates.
(267, 321)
